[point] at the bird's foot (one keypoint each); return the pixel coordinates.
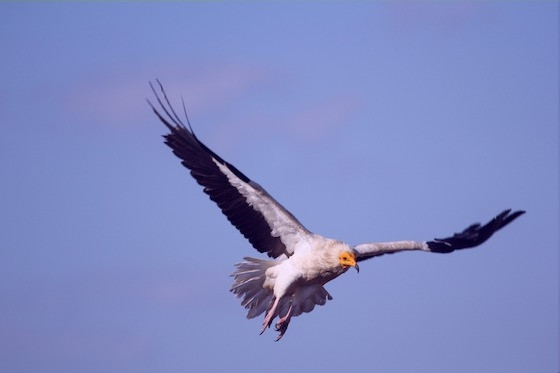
(282, 324)
(281, 327)
(285, 319)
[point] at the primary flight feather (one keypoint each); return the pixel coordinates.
(290, 283)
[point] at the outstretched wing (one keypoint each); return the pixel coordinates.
(474, 235)
(264, 222)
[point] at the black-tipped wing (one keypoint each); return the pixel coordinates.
(264, 222)
(474, 235)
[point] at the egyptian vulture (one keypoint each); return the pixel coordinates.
(302, 262)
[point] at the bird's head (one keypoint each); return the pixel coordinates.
(347, 259)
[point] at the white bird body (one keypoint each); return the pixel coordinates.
(303, 262)
(313, 263)
(299, 279)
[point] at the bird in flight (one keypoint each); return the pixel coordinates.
(292, 282)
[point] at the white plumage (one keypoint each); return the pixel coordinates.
(303, 262)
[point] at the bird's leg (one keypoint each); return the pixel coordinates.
(270, 315)
(283, 322)
(285, 318)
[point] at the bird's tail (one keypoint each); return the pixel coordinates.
(248, 283)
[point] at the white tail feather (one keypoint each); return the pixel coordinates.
(249, 278)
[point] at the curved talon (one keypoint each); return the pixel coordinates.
(282, 324)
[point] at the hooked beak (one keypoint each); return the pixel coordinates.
(357, 268)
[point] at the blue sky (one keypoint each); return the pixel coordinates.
(370, 121)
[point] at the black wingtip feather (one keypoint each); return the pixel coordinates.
(474, 235)
(199, 159)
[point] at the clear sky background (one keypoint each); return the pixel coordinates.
(370, 121)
